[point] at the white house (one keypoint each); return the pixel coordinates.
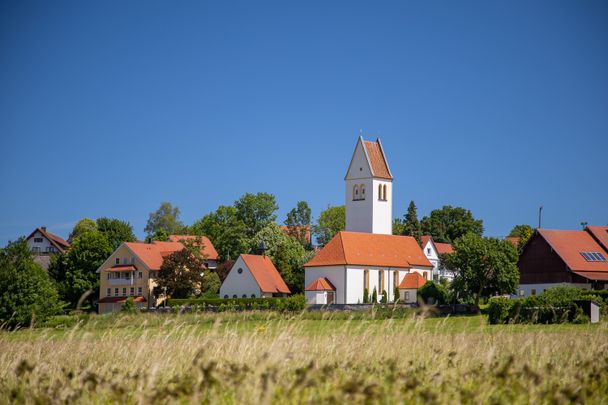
(43, 244)
(365, 257)
(433, 251)
(253, 276)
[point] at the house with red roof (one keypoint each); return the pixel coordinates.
(132, 268)
(554, 257)
(253, 276)
(366, 256)
(43, 244)
(433, 251)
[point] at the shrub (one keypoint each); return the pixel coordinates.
(433, 293)
(498, 310)
(374, 296)
(396, 294)
(384, 298)
(365, 296)
(129, 306)
(293, 303)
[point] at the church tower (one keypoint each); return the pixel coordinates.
(369, 190)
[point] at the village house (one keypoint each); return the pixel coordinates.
(43, 244)
(433, 251)
(133, 267)
(253, 276)
(564, 257)
(366, 256)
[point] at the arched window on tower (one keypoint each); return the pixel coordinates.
(362, 189)
(355, 192)
(384, 192)
(380, 192)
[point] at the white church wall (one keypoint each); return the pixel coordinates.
(240, 284)
(359, 212)
(382, 209)
(355, 282)
(335, 274)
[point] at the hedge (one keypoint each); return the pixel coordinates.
(292, 304)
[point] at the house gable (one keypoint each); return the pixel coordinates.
(240, 281)
(359, 167)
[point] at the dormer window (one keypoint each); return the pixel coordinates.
(117, 261)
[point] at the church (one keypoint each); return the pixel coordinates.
(366, 257)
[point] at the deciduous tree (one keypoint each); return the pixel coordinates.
(298, 223)
(256, 211)
(27, 294)
(523, 232)
(486, 266)
(116, 231)
(449, 223)
(82, 226)
(165, 218)
(331, 221)
(225, 230)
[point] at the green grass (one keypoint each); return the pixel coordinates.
(267, 357)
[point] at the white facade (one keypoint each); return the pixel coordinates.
(320, 297)
(240, 283)
(38, 243)
(431, 253)
(367, 208)
(349, 280)
(525, 290)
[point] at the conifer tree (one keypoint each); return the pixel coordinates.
(411, 224)
(374, 296)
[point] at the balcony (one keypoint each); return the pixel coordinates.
(121, 281)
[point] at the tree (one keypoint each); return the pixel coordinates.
(166, 217)
(374, 296)
(75, 272)
(411, 225)
(396, 294)
(298, 223)
(397, 226)
(129, 306)
(286, 254)
(27, 293)
(225, 230)
(82, 226)
(181, 275)
(449, 223)
(330, 222)
(433, 293)
(523, 232)
(365, 296)
(486, 266)
(116, 231)
(256, 211)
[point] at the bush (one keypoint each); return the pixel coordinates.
(129, 306)
(374, 296)
(365, 296)
(293, 303)
(433, 293)
(498, 310)
(384, 298)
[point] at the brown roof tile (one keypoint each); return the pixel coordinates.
(569, 245)
(412, 280)
(321, 284)
(377, 160)
(265, 274)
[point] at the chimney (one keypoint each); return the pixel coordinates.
(43, 228)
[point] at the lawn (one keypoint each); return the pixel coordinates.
(273, 358)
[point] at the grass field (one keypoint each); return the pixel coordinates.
(272, 358)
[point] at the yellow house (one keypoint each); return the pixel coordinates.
(132, 269)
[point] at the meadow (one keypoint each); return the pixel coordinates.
(257, 358)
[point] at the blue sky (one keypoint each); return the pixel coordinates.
(109, 108)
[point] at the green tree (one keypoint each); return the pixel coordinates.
(397, 226)
(129, 306)
(433, 293)
(82, 226)
(523, 232)
(485, 267)
(298, 223)
(225, 230)
(160, 235)
(411, 224)
(166, 217)
(287, 254)
(27, 293)
(449, 223)
(256, 211)
(365, 296)
(116, 231)
(330, 222)
(75, 272)
(374, 296)
(396, 295)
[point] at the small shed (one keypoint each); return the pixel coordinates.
(408, 289)
(320, 292)
(591, 309)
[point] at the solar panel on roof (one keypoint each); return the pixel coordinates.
(593, 256)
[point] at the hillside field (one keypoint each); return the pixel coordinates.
(255, 358)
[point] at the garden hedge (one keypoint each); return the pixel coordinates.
(292, 303)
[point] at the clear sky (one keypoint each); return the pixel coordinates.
(108, 108)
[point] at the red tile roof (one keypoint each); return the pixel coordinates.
(296, 231)
(377, 159)
(123, 267)
(569, 245)
(265, 274)
(148, 253)
(320, 284)
(594, 275)
(444, 248)
(513, 239)
(600, 233)
(369, 249)
(61, 244)
(412, 280)
(424, 239)
(106, 300)
(208, 248)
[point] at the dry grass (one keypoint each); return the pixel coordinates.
(250, 359)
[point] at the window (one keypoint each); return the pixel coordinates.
(384, 196)
(125, 260)
(593, 256)
(50, 249)
(132, 291)
(116, 292)
(108, 292)
(239, 270)
(141, 275)
(37, 240)
(533, 292)
(428, 251)
(244, 295)
(252, 295)
(395, 279)
(366, 279)
(380, 282)
(109, 274)
(139, 290)
(407, 296)
(124, 292)
(380, 192)
(362, 188)
(36, 249)
(234, 296)
(225, 296)
(132, 260)
(117, 261)
(355, 192)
